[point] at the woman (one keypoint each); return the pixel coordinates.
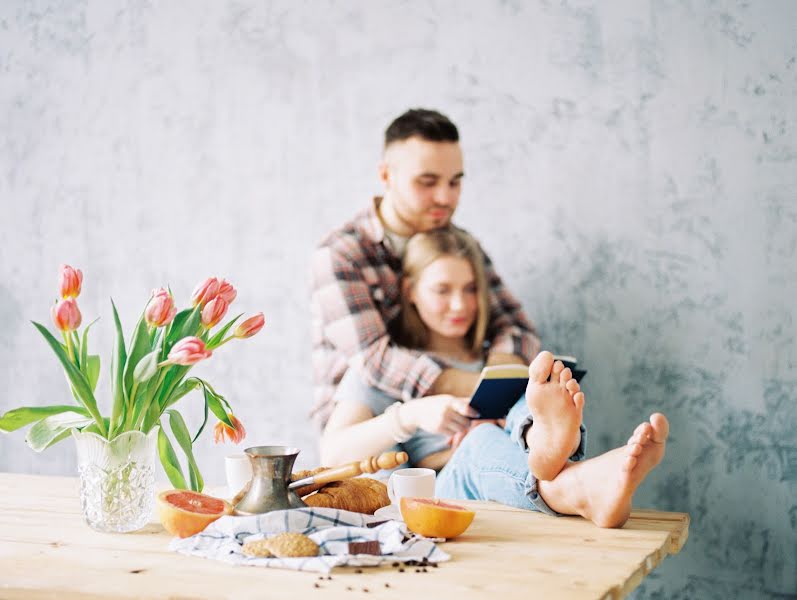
(444, 313)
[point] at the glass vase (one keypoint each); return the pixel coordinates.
(117, 479)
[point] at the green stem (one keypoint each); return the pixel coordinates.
(224, 341)
(69, 351)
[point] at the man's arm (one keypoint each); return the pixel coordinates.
(512, 337)
(345, 316)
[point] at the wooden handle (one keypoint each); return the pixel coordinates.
(372, 464)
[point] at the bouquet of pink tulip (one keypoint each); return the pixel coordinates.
(148, 375)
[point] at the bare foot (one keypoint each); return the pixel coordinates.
(601, 489)
(557, 407)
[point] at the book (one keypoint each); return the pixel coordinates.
(500, 387)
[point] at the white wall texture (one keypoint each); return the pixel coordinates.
(631, 168)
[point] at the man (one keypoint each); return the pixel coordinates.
(356, 272)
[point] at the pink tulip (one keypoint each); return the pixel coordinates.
(214, 312)
(235, 434)
(205, 292)
(227, 291)
(70, 281)
(160, 310)
(188, 351)
(66, 315)
(250, 327)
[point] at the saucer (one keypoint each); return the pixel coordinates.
(391, 511)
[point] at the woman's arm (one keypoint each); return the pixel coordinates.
(354, 433)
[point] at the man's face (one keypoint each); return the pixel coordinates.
(422, 182)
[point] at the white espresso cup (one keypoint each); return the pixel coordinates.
(239, 472)
(414, 483)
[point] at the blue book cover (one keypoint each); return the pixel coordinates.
(501, 386)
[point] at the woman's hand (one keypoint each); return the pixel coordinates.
(443, 414)
(455, 440)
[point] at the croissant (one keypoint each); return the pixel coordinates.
(361, 494)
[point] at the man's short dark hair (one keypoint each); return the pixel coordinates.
(426, 124)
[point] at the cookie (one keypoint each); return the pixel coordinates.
(257, 549)
(292, 545)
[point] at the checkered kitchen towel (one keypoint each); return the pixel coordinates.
(330, 528)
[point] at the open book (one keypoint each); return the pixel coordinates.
(500, 387)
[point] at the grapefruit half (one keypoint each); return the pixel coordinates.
(184, 513)
(431, 517)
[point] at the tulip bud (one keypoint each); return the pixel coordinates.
(66, 315)
(70, 281)
(188, 351)
(214, 312)
(205, 292)
(160, 310)
(227, 291)
(250, 327)
(235, 434)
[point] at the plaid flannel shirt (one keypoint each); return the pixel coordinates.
(355, 295)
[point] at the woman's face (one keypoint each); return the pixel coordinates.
(445, 296)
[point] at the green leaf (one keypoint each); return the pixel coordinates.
(76, 378)
(186, 323)
(94, 429)
(172, 380)
(117, 371)
(139, 346)
(169, 461)
(54, 428)
(204, 423)
(25, 415)
(151, 417)
(183, 438)
(84, 351)
(215, 404)
(146, 368)
(92, 370)
(181, 390)
(219, 335)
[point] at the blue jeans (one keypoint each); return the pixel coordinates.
(492, 464)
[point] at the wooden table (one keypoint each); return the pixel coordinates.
(47, 551)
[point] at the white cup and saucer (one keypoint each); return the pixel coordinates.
(413, 483)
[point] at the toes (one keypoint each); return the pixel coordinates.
(565, 376)
(629, 463)
(642, 432)
(572, 386)
(558, 367)
(578, 400)
(540, 368)
(659, 428)
(633, 449)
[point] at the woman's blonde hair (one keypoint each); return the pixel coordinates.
(422, 250)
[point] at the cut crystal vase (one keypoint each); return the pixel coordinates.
(117, 479)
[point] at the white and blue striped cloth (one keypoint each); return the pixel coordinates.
(330, 528)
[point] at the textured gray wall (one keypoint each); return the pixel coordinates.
(632, 169)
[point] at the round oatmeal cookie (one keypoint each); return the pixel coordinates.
(258, 549)
(292, 545)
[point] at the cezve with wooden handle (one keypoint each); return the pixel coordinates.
(372, 464)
